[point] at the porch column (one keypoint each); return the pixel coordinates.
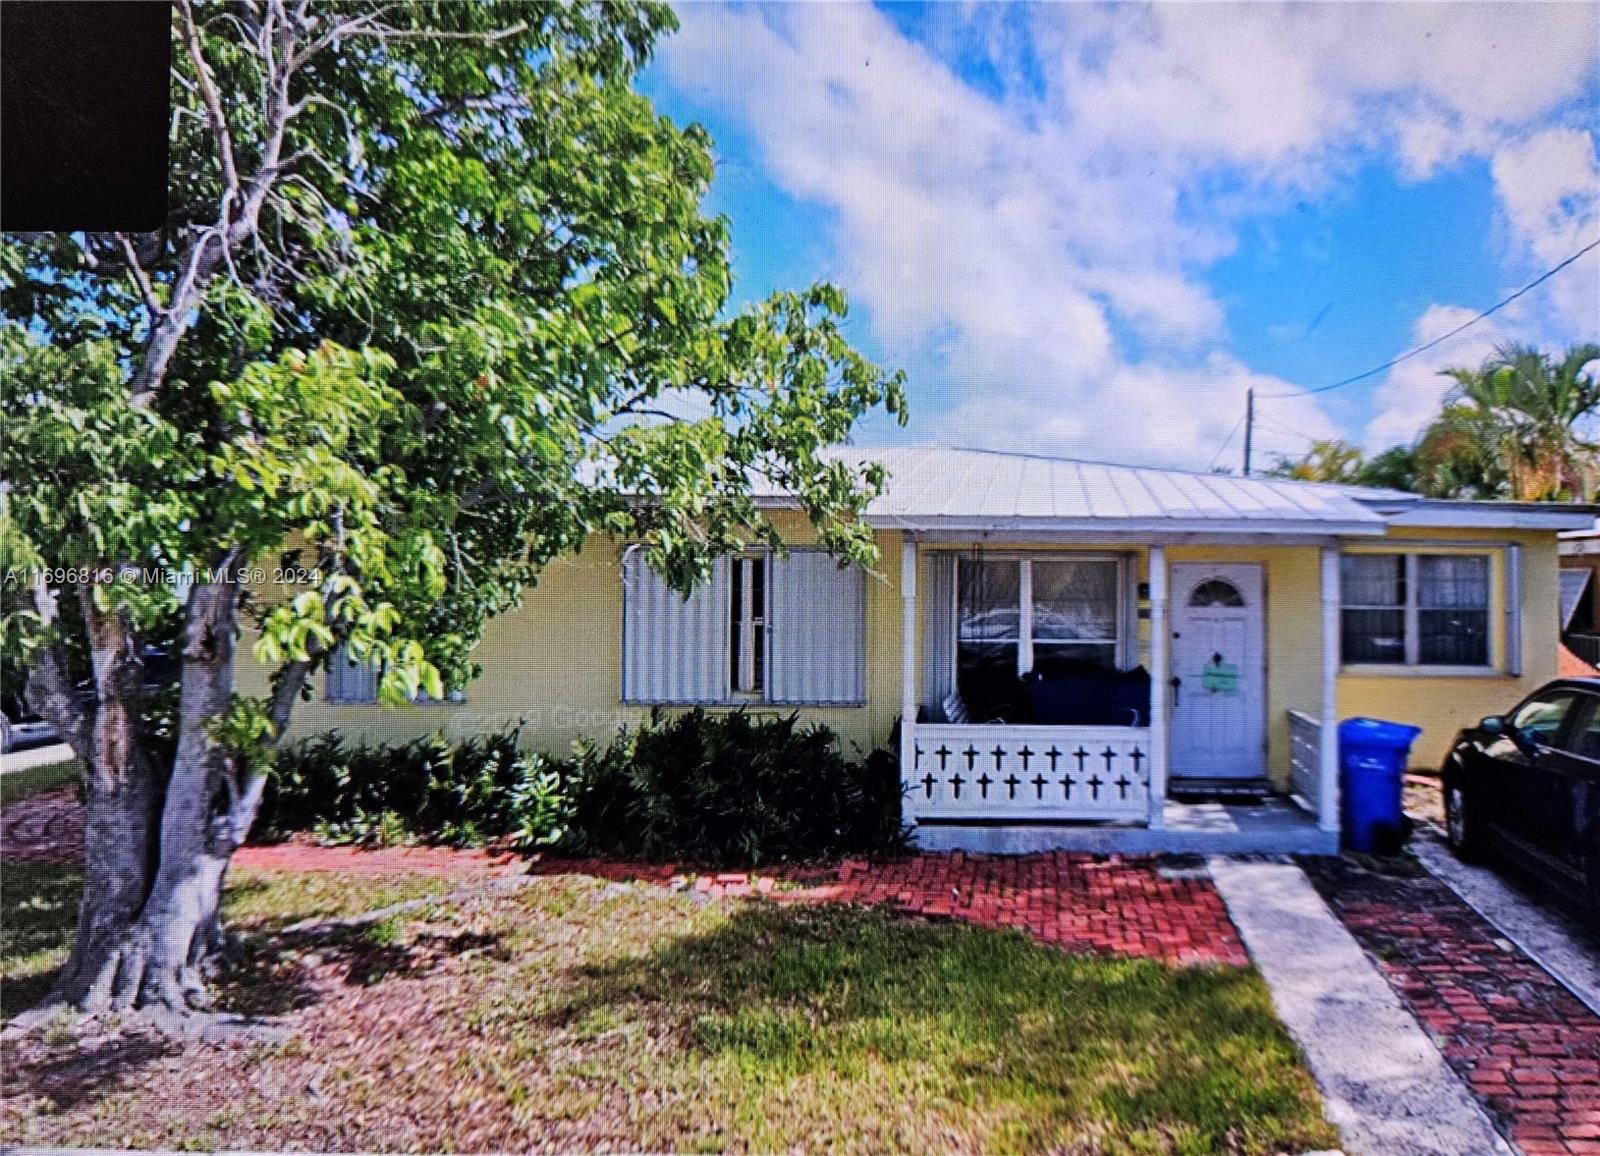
(1159, 645)
(908, 658)
(1328, 742)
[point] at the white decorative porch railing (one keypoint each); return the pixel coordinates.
(1305, 760)
(997, 771)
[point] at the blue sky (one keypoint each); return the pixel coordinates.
(1088, 230)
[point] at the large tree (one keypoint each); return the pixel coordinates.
(434, 283)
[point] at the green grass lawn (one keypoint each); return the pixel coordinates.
(16, 785)
(587, 1015)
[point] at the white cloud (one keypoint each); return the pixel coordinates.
(1549, 189)
(1024, 243)
(1279, 87)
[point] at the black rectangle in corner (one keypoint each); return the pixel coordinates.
(83, 114)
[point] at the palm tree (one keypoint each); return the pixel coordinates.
(1516, 426)
(1327, 460)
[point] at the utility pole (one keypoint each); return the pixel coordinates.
(1249, 425)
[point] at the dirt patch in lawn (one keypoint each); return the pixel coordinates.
(572, 1013)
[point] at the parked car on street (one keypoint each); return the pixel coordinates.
(1527, 784)
(20, 726)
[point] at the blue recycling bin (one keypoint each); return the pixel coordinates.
(1372, 766)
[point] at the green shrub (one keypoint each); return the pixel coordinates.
(723, 789)
(476, 791)
(728, 789)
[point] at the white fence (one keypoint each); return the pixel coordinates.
(1305, 760)
(996, 771)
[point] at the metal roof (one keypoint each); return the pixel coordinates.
(938, 488)
(934, 487)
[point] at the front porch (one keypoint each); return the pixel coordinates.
(1027, 783)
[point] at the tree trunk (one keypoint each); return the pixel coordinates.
(124, 798)
(149, 923)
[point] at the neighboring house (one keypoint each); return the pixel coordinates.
(1080, 648)
(1580, 593)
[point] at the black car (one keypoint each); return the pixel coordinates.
(1528, 783)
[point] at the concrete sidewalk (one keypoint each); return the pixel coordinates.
(1386, 1086)
(35, 757)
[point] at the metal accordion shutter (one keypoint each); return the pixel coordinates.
(349, 681)
(674, 649)
(817, 639)
(1513, 610)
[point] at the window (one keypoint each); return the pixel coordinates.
(350, 681)
(764, 628)
(747, 626)
(1216, 592)
(1015, 615)
(1415, 609)
(1539, 720)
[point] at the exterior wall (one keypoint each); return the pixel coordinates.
(555, 664)
(1442, 704)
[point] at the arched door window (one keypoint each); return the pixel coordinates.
(1216, 592)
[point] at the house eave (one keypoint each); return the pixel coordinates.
(1489, 516)
(1153, 529)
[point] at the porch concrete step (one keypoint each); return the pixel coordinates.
(1274, 827)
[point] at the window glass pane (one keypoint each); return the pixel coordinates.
(1070, 657)
(1453, 619)
(1074, 600)
(986, 676)
(1541, 718)
(1216, 592)
(1459, 581)
(1373, 636)
(990, 602)
(1372, 579)
(1453, 637)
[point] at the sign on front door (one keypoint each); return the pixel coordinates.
(1219, 672)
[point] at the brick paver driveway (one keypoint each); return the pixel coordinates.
(1524, 1044)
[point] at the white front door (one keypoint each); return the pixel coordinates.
(1219, 716)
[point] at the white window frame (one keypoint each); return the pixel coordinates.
(1121, 643)
(750, 683)
(1411, 617)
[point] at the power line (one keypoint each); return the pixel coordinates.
(1216, 457)
(1281, 428)
(1409, 354)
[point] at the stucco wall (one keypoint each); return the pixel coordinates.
(555, 664)
(1441, 705)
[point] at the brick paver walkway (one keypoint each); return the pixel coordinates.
(1119, 905)
(1523, 1043)
(1124, 906)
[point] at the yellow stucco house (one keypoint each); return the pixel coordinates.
(1089, 656)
